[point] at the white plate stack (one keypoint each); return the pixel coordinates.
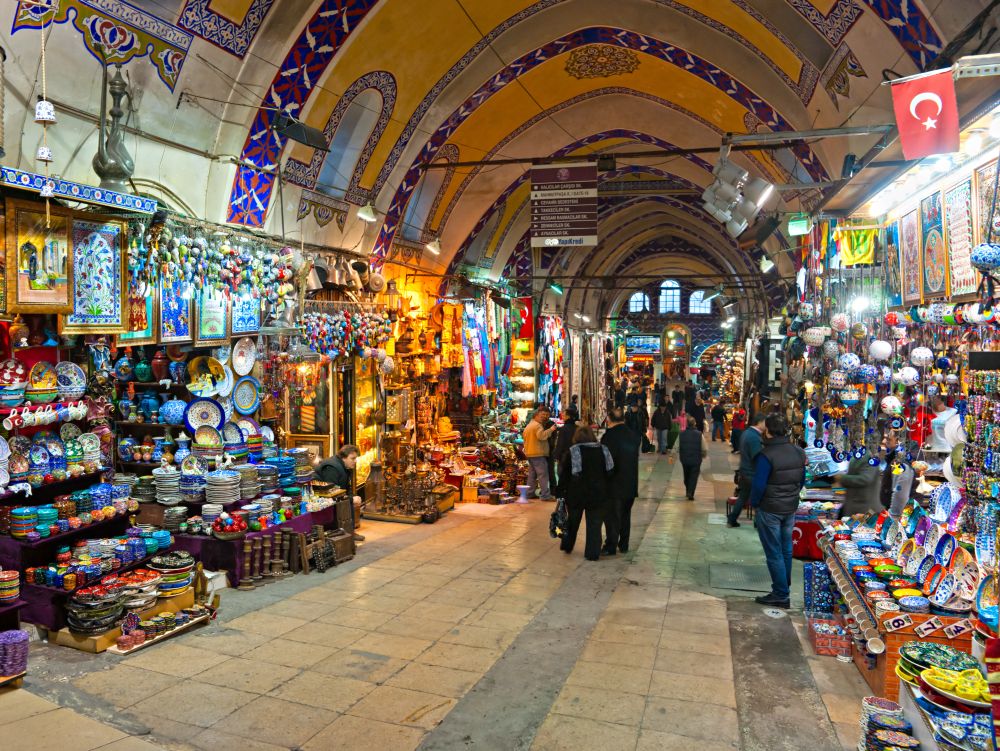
(223, 486)
(249, 481)
(210, 512)
(167, 481)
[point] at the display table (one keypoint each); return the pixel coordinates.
(227, 555)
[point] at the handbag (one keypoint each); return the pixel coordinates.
(559, 520)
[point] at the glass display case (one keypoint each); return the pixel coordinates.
(366, 405)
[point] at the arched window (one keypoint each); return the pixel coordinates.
(638, 303)
(698, 305)
(356, 125)
(670, 297)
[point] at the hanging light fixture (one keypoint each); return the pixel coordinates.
(766, 264)
(367, 213)
(434, 246)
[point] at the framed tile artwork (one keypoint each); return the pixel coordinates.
(98, 290)
(174, 314)
(211, 318)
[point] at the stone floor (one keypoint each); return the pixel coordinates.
(476, 632)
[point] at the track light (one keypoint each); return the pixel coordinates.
(712, 294)
(755, 193)
(434, 246)
(367, 213)
(766, 264)
(736, 226)
(727, 172)
(556, 288)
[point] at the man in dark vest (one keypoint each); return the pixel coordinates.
(624, 446)
(692, 449)
(337, 469)
(778, 477)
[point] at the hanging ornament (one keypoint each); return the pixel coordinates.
(850, 396)
(892, 318)
(880, 350)
(838, 379)
(859, 331)
(907, 376)
(814, 336)
(840, 322)
(865, 373)
(921, 357)
(831, 349)
(849, 361)
(891, 406)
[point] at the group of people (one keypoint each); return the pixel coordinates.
(596, 479)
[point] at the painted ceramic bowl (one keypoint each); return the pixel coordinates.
(986, 256)
(921, 357)
(838, 379)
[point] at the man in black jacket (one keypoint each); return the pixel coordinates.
(778, 477)
(337, 469)
(624, 446)
(564, 436)
(663, 418)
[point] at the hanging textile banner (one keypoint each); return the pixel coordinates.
(576, 365)
(856, 246)
(935, 258)
(909, 249)
(894, 279)
(958, 231)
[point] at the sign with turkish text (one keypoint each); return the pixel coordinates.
(564, 205)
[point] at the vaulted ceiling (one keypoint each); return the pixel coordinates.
(397, 85)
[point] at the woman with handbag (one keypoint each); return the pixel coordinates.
(584, 482)
(675, 429)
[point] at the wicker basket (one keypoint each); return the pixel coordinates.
(229, 535)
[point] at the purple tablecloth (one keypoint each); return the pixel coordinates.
(227, 555)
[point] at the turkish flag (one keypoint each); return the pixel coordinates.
(927, 114)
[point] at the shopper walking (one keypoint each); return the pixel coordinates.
(693, 449)
(862, 483)
(564, 436)
(584, 482)
(751, 442)
(719, 422)
(779, 474)
(624, 448)
(737, 428)
(677, 397)
(663, 419)
(697, 411)
(536, 449)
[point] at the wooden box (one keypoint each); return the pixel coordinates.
(343, 546)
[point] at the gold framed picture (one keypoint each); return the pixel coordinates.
(211, 327)
(39, 261)
(317, 445)
(142, 316)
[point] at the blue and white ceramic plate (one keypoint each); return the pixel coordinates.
(246, 395)
(204, 411)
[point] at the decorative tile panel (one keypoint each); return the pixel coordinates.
(198, 17)
(16, 178)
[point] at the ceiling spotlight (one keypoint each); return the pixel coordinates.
(367, 213)
(766, 264)
(731, 319)
(755, 193)
(728, 172)
(556, 288)
(434, 246)
(736, 226)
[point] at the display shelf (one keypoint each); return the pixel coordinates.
(10, 607)
(12, 680)
(157, 639)
(70, 533)
(56, 590)
(144, 425)
(44, 494)
(35, 408)
(142, 465)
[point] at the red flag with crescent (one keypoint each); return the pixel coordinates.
(926, 114)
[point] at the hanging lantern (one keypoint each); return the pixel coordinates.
(850, 396)
(907, 376)
(840, 322)
(892, 318)
(859, 331)
(838, 380)
(986, 257)
(891, 405)
(814, 336)
(831, 349)
(865, 373)
(921, 357)
(880, 350)
(849, 361)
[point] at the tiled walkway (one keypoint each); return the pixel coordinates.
(476, 632)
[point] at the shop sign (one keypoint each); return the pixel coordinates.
(564, 205)
(955, 630)
(897, 622)
(928, 627)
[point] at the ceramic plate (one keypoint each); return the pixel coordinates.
(934, 533)
(43, 376)
(226, 387)
(945, 549)
(4, 449)
(69, 431)
(267, 433)
(56, 448)
(20, 444)
(924, 568)
(13, 371)
(227, 406)
(923, 527)
(250, 426)
(244, 356)
(231, 433)
(966, 572)
(223, 353)
(204, 412)
(19, 464)
(986, 536)
(246, 395)
(70, 376)
(205, 374)
(89, 442)
(194, 465)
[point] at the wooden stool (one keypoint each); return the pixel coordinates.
(731, 501)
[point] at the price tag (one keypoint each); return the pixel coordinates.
(897, 622)
(955, 630)
(928, 627)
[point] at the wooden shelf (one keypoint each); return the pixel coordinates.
(44, 494)
(156, 639)
(55, 590)
(68, 534)
(12, 680)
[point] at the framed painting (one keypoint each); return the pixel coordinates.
(317, 445)
(934, 253)
(98, 291)
(211, 318)
(39, 264)
(894, 283)
(909, 254)
(958, 235)
(174, 314)
(142, 320)
(986, 177)
(246, 314)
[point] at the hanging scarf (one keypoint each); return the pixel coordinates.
(576, 458)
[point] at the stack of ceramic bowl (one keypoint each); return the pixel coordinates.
(144, 489)
(23, 520)
(268, 476)
(237, 450)
(13, 652)
(192, 488)
(123, 484)
(286, 469)
(173, 517)
(269, 503)
(249, 481)
(210, 512)
(91, 444)
(94, 610)
(303, 464)
(167, 486)
(10, 588)
(223, 486)
(140, 588)
(100, 495)
(176, 570)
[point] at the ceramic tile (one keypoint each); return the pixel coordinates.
(611, 677)
(390, 645)
(264, 623)
(698, 688)
(174, 658)
(252, 674)
(259, 721)
(561, 733)
(192, 703)
(689, 718)
(60, 730)
(349, 732)
(601, 704)
(333, 692)
(436, 679)
(362, 666)
(290, 653)
(403, 706)
(122, 685)
(475, 659)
